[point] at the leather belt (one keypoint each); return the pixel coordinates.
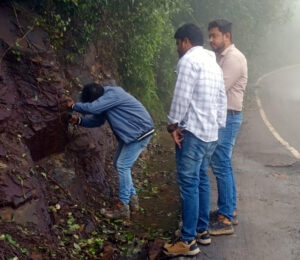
(233, 112)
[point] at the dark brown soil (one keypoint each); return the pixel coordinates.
(54, 177)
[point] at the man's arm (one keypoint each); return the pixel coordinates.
(182, 97)
(96, 107)
(92, 121)
(100, 105)
(232, 71)
(88, 121)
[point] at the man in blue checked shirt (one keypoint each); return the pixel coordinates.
(198, 110)
(132, 126)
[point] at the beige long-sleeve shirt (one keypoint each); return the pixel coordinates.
(235, 71)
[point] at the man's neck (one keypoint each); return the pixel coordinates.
(227, 45)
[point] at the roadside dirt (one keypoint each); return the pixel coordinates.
(79, 231)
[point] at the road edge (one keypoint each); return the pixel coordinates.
(265, 119)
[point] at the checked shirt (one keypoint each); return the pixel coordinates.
(199, 102)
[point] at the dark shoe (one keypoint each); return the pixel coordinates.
(213, 216)
(181, 248)
(235, 220)
(134, 203)
(118, 211)
(203, 238)
(222, 227)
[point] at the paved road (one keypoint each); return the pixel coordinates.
(268, 180)
(280, 96)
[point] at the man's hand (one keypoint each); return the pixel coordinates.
(69, 102)
(66, 103)
(75, 119)
(177, 136)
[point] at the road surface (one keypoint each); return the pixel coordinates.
(280, 96)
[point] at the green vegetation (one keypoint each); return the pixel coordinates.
(136, 36)
(9, 239)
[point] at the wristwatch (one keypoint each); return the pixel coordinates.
(172, 127)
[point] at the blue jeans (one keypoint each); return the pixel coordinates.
(192, 161)
(124, 158)
(222, 167)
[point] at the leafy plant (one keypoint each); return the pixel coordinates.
(10, 240)
(138, 35)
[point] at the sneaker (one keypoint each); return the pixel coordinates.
(222, 227)
(181, 248)
(235, 220)
(118, 211)
(134, 203)
(203, 238)
(213, 216)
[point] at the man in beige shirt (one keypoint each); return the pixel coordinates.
(234, 66)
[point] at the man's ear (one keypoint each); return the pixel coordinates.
(228, 35)
(187, 42)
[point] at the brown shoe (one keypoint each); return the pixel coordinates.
(221, 227)
(235, 220)
(181, 248)
(118, 211)
(134, 203)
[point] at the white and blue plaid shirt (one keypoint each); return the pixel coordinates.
(199, 102)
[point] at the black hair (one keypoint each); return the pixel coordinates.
(191, 32)
(223, 25)
(91, 92)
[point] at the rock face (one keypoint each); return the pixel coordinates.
(37, 145)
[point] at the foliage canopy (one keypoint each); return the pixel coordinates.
(138, 35)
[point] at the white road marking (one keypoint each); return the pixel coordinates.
(294, 152)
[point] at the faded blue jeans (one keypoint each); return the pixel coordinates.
(124, 158)
(222, 167)
(192, 161)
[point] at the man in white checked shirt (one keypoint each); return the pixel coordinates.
(198, 110)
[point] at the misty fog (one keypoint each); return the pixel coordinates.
(281, 45)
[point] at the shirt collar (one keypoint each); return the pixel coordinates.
(193, 49)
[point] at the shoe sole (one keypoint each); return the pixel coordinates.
(235, 222)
(203, 242)
(221, 232)
(190, 253)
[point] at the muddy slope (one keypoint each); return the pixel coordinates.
(37, 146)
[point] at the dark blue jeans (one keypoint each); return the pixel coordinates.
(222, 167)
(192, 161)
